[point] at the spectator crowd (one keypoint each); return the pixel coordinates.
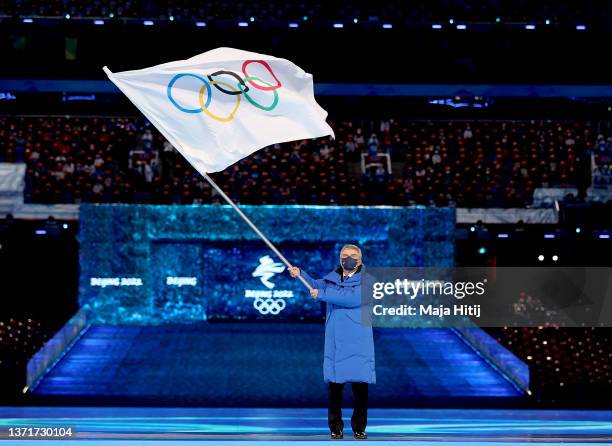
(442, 163)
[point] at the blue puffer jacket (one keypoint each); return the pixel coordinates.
(349, 343)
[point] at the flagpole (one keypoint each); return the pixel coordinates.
(253, 227)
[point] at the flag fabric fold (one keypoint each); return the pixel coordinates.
(220, 106)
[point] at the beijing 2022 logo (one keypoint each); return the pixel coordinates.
(240, 89)
(268, 301)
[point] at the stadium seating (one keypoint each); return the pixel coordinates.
(462, 163)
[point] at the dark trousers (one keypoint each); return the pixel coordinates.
(360, 411)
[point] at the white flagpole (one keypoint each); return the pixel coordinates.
(253, 227)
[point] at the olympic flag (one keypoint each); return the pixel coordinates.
(222, 105)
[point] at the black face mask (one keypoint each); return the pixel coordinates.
(349, 264)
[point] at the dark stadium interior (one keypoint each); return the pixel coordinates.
(547, 127)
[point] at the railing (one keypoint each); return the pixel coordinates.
(50, 354)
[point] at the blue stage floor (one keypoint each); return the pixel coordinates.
(308, 426)
(263, 365)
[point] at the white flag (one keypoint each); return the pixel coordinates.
(220, 106)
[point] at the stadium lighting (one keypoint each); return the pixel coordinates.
(27, 21)
(387, 26)
(338, 25)
(436, 26)
(530, 27)
(580, 27)
(502, 235)
(98, 22)
(243, 24)
(541, 258)
(461, 26)
(200, 24)
(549, 235)
(293, 25)
(148, 23)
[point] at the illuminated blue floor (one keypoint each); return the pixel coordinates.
(262, 365)
(422, 426)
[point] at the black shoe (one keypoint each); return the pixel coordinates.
(360, 435)
(337, 435)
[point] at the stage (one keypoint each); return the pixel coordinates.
(308, 426)
(263, 365)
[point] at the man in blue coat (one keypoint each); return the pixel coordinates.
(349, 342)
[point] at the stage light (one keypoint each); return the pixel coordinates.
(472, 228)
(541, 258)
(387, 26)
(243, 24)
(338, 25)
(555, 258)
(27, 21)
(580, 27)
(98, 22)
(482, 250)
(461, 27)
(497, 20)
(171, 18)
(604, 236)
(111, 15)
(67, 16)
(502, 236)
(252, 19)
(305, 18)
(436, 26)
(355, 20)
(547, 22)
(578, 230)
(451, 21)
(293, 25)
(549, 235)
(200, 24)
(40, 232)
(530, 27)
(148, 23)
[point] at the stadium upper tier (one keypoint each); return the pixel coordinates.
(462, 163)
(392, 10)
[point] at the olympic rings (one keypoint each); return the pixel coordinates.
(248, 98)
(187, 110)
(240, 81)
(265, 64)
(205, 107)
(269, 305)
(241, 88)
